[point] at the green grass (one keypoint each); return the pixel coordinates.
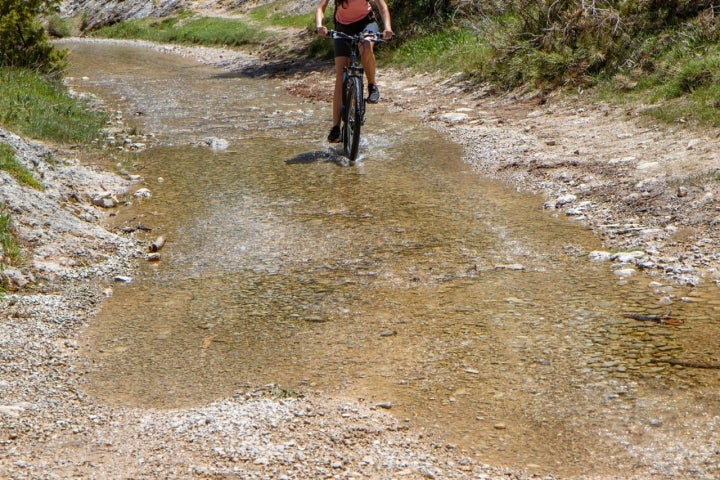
(33, 106)
(9, 245)
(684, 85)
(197, 31)
(451, 50)
(272, 14)
(9, 164)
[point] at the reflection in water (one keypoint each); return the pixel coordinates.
(405, 279)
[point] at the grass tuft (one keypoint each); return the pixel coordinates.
(10, 248)
(9, 164)
(58, 26)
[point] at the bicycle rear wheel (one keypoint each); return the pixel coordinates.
(352, 118)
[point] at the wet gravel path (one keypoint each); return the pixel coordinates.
(50, 429)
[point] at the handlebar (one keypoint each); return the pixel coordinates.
(371, 36)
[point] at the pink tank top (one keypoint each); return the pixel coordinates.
(353, 11)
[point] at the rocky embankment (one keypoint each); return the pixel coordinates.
(99, 13)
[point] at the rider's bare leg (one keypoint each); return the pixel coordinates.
(367, 57)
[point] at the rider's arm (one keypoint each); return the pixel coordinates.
(320, 17)
(385, 15)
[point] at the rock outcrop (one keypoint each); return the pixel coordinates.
(99, 13)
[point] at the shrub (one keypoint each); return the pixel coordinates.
(23, 40)
(572, 42)
(419, 15)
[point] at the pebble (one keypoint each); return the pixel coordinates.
(142, 193)
(627, 257)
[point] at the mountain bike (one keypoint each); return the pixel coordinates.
(353, 101)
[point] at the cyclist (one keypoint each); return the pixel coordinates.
(352, 17)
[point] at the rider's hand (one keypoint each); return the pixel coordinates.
(322, 31)
(388, 35)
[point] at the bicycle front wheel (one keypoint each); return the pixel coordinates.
(352, 118)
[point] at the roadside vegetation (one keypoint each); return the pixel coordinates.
(664, 53)
(23, 39)
(185, 29)
(58, 26)
(33, 100)
(274, 15)
(10, 251)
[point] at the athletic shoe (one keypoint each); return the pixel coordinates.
(374, 92)
(334, 136)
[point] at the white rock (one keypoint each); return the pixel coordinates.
(142, 193)
(623, 160)
(599, 256)
(646, 165)
(564, 200)
(624, 272)
(11, 410)
(625, 257)
(103, 200)
(454, 118)
(217, 144)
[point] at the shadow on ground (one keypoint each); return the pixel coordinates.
(329, 155)
(282, 68)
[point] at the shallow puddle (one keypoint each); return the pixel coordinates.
(405, 280)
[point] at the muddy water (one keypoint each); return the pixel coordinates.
(405, 280)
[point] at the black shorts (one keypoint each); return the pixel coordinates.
(367, 24)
